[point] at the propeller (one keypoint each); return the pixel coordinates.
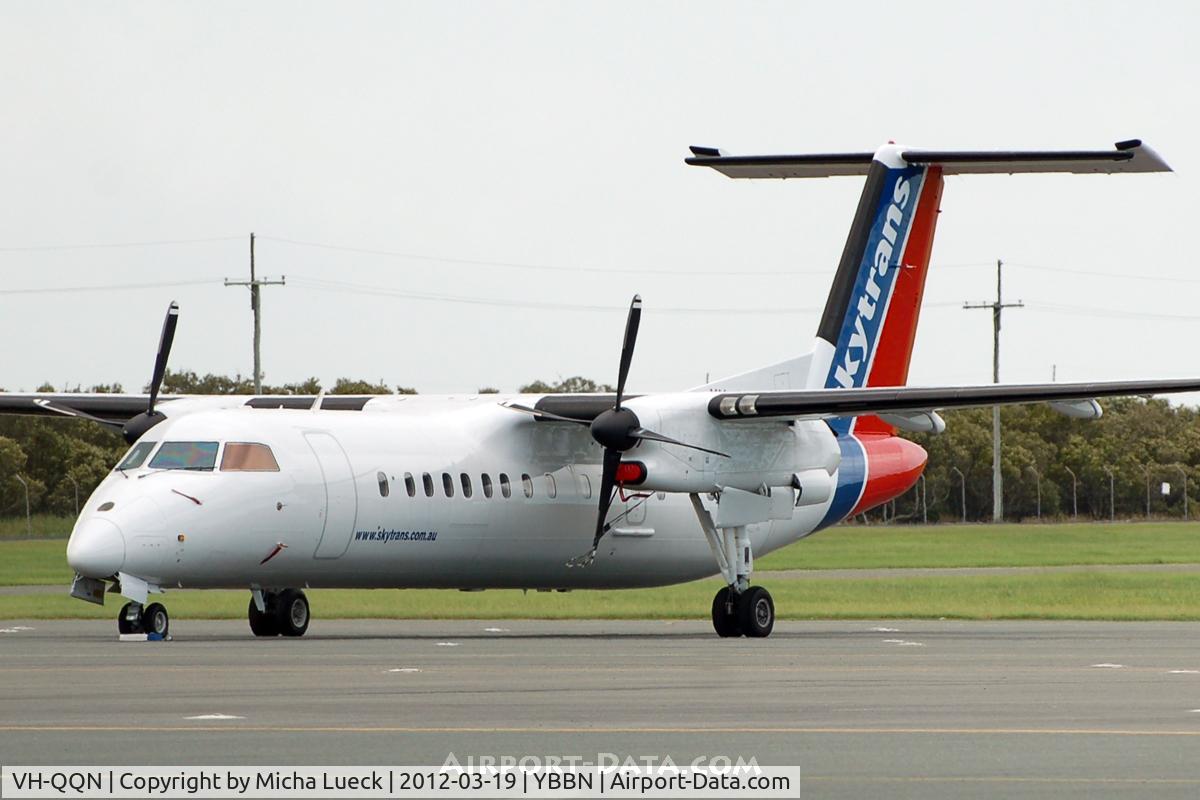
(67, 411)
(616, 430)
(136, 427)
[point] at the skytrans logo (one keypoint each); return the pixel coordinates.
(877, 275)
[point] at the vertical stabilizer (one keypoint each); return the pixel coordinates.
(870, 320)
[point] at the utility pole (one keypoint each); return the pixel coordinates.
(963, 485)
(996, 307)
(75, 483)
(1146, 469)
(1183, 472)
(28, 516)
(1074, 493)
(1038, 477)
(255, 283)
(1112, 514)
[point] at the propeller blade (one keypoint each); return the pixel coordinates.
(67, 411)
(546, 414)
(164, 352)
(631, 330)
(608, 481)
(643, 433)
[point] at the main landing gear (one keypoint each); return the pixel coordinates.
(749, 613)
(133, 618)
(283, 613)
(739, 609)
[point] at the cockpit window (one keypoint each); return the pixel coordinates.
(137, 455)
(185, 455)
(248, 457)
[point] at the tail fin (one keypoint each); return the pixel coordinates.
(870, 321)
(867, 330)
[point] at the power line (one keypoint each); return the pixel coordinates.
(387, 291)
(113, 287)
(541, 267)
(318, 284)
(107, 245)
(736, 272)
(1098, 274)
(1110, 313)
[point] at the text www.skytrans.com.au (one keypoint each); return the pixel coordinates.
(381, 535)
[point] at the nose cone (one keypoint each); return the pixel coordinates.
(96, 548)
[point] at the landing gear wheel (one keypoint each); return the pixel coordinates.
(127, 625)
(155, 620)
(291, 611)
(756, 612)
(263, 623)
(725, 614)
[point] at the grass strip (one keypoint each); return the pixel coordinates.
(1090, 595)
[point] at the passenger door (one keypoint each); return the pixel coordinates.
(341, 495)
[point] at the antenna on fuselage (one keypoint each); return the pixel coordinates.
(316, 406)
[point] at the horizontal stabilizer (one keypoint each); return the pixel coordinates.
(1127, 156)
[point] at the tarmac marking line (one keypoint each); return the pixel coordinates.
(601, 730)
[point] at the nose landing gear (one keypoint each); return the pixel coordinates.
(133, 618)
(283, 613)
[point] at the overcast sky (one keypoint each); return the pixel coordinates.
(476, 137)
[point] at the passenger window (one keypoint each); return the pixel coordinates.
(486, 480)
(527, 483)
(247, 457)
(136, 456)
(466, 484)
(186, 455)
(427, 479)
(410, 485)
(385, 488)
(447, 484)
(551, 486)
(505, 487)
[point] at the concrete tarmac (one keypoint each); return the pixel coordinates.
(880, 709)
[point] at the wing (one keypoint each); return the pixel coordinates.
(104, 408)
(117, 409)
(830, 403)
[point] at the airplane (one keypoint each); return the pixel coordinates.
(279, 494)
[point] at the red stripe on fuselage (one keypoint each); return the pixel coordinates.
(893, 352)
(893, 466)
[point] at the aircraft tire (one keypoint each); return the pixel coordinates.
(263, 623)
(724, 623)
(156, 620)
(123, 623)
(756, 612)
(291, 608)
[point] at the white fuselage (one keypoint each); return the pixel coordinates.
(338, 512)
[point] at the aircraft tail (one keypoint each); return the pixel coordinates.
(866, 334)
(867, 330)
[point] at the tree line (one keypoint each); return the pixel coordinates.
(1143, 443)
